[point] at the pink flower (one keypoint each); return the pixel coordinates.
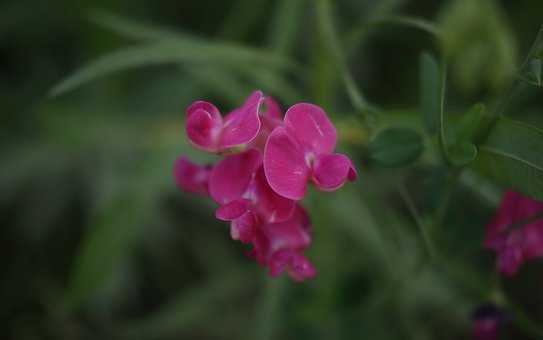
(280, 246)
(207, 130)
(302, 150)
(191, 177)
(516, 232)
(257, 194)
(238, 184)
(488, 321)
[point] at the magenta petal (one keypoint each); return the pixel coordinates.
(191, 177)
(230, 178)
(509, 261)
(301, 268)
(203, 130)
(231, 211)
(273, 110)
(285, 166)
(353, 174)
(279, 262)
(311, 127)
(331, 171)
(271, 206)
(206, 106)
(241, 126)
(291, 234)
(298, 266)
(243, 228)
(533, 240)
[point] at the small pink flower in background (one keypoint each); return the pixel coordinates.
(208, 131)
(302, 151)
(516, 232)
(191, 177)
(488, 321)
(265, 172)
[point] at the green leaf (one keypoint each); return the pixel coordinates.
(132, 29)
(171, 51)
(513, 155)
(407, 21)
(395, 147)
(429, 91)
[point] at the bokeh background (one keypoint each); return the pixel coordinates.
(96, 240)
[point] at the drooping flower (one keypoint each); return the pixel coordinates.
(516, 232)
(488, 321)
(301, 151)
(191, 177)
(280, 246)
(209, 131)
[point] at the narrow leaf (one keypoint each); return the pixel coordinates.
(132, 29)
(170, 51)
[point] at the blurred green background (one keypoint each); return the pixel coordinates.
(96, 240)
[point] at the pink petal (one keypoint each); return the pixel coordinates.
(271, 206)
(533, 240)
(231, 211)
(510, 255)
(353, 174)
(191, 177)
(231, 177)
(241, 126)
(331, 171)
(270, 118)
(509, 261)
(300, 268)
(311, 127)
(243, 228)
(273, 110)
(203, 129)
(285, 166)
(279, 262)
(294, 234)
(206, 106)
(504, 217)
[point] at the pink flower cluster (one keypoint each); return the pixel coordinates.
(488, 322)
(268, 163)
(516, 232)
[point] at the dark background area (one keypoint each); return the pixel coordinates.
(96, 240)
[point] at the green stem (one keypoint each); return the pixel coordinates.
(326, 26)
(430, 248)
(269, 307)
(450, 185)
